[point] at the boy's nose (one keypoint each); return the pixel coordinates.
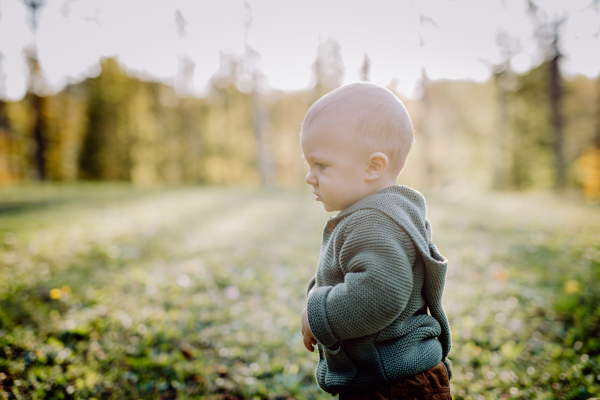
(310, 179)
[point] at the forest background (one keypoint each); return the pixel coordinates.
(533, 130)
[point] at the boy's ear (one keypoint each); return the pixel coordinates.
(377, 165)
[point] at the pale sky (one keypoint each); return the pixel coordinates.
(452, 39)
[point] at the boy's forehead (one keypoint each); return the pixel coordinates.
(327, 141)
(318, 136)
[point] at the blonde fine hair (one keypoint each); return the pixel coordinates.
(375, 118)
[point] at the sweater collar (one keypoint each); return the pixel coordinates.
(366, 202)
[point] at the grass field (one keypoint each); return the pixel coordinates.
(112, 292)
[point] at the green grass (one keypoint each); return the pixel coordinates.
(107, 291)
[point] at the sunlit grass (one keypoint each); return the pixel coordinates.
(114, 292)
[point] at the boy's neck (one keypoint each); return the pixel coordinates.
(382, 185)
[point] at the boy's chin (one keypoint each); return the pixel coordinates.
(329, 208)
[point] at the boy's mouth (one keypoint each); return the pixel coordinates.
(317, 197)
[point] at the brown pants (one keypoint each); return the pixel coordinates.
(432, 384)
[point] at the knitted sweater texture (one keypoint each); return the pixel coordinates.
(378, 275)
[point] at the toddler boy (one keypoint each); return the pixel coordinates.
(379, 272)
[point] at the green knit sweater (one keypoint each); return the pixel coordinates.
(377, 276)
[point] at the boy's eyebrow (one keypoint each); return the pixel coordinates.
(312, 157)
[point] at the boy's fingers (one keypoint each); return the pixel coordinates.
(308, 344)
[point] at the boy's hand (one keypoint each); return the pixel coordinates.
(309, 339)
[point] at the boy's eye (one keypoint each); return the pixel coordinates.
(320, 167)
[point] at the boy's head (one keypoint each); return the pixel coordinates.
(355, 140)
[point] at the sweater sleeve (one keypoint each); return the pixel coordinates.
(376, 256)
(311, 284)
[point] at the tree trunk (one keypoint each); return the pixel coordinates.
(556, 93)
(425, 134)
(6, 172)
(37, 103)
(264, 148)
(36, 85)
(598, 126)
(499, 142)
(364, 73)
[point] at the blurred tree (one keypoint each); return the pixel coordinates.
(5, 139)
(5, 148)
(117, 126)
(6, 174)
(287, 112)
(588, 166)
(65, 123)
(264, 144)
(254, 80)
(106, 149)
(598, 128)
(556, 95)
(531, 157)
(499, 142)
(548, 31)
(228, 137)
(364, 73)
(188, 142)
(143, 134)
(36, 88)
(597, 35)
(598, 111)
(505, 81)
(588, 163)
(580, 107)
(425, 123)
(328, 67)
(424, 131)
(184, 81)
